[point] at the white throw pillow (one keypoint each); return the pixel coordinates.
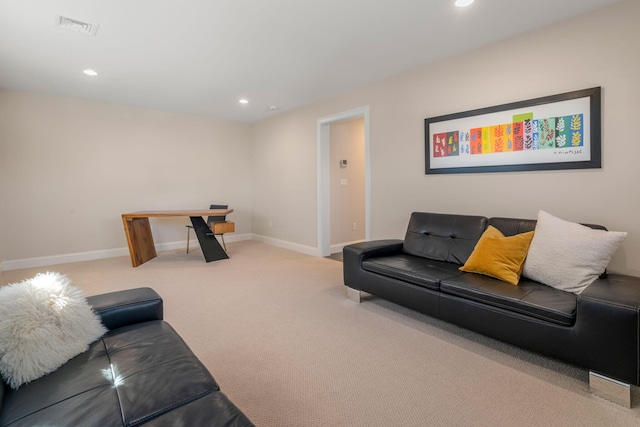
(44, 322)
(569, 256)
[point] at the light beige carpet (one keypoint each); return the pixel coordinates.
(277, 333)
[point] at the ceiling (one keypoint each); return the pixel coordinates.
(202, 56)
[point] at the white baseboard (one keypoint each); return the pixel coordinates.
(102, 254)
(296, 247)
(63, 259)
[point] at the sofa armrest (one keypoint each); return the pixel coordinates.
(127, 307)
(608, 320)
(615, 289)
(375, 248)
(353, 255)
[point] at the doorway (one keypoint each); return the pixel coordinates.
(324, 176)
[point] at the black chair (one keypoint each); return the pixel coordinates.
(217, 224)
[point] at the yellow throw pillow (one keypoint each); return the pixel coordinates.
(498, 256)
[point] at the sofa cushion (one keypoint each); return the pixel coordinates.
(132, 375)
(529, 298)
(419, 271)
(44, 322)
(567, 255)
(498, 256)
(443, 237)
(512, 226)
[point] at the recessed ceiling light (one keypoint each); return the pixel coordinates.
(463, 3)
(244, 101)
(273, 107)
(90, 72)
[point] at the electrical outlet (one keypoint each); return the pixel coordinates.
(355, 226)
(270, 224)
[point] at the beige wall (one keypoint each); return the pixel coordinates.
(70, 168)
(597, 49)
(284, 178)
(347, 201)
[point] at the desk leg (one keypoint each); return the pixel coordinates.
(210, 247)
(139, 239)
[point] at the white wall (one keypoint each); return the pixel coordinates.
(597, 49)
(347, 201)
(71, 168)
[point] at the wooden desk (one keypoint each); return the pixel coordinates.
(140, 240)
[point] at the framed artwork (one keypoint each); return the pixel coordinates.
(554, 132)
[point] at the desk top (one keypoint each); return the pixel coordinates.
(197, 212)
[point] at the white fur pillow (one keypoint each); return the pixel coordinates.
(44, 322)
(569, 256)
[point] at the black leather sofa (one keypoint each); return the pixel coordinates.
(140, 373)
(599, 329)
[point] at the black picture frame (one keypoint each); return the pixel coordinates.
(576, 136)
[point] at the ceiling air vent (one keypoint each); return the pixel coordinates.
(74, 25)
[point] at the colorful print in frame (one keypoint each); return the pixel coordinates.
(554, 132)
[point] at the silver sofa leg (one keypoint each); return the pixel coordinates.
(353, 294)
(610, 389)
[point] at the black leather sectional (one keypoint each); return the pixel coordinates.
(140, 373)
(598, 329)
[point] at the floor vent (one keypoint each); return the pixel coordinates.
(76, 26)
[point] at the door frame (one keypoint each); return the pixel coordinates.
(323, 126)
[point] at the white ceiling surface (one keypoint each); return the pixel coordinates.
(202, 56)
